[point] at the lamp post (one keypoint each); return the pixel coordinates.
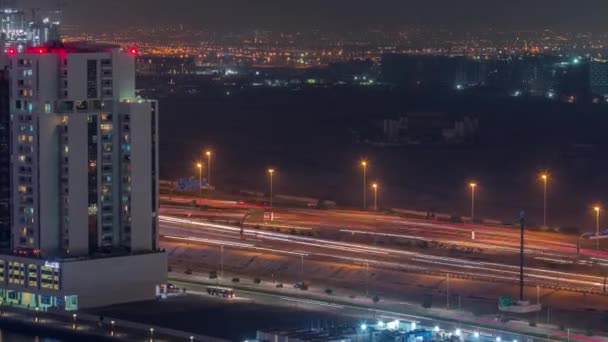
(364, 165)
(74, 321)
(545, 178)
(199, 166)
(208, 154)
(112, 328)
(375, 187)
(597, 210)
(473, 185)
(271, 175)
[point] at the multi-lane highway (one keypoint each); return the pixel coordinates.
(379, 241)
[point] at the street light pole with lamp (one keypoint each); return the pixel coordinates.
(545, 178)
(364, 164)
(199, 166)
(473, 185)
(271, 175)
(208, 154)
(597, 210)
(375, 187)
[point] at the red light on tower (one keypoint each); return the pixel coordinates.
(40, 50)
(134, 51)
(12, 51)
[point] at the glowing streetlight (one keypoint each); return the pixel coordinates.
(208, 154)
(364, 165)
(199, 166)
(375, 187)
(271, 175)
(473, 185)
(597, 210)
(545, 178)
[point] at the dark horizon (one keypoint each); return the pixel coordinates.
(334, 14)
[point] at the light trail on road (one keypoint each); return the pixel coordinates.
(275, 242)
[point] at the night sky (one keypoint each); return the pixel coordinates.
(576, 15)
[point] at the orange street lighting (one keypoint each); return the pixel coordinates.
(271, 173)
(597, 210)
(199, 166)
(545, 178)
(208, 154)
(472, 185)
(364, 164)
(375, 187)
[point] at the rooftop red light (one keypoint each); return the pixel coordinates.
(134, 51)
(12, 51)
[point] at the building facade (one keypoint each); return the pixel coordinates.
(84, 178)
(5, 163)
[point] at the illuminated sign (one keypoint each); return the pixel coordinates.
(51, 264)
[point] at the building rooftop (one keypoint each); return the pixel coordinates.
(75, 47)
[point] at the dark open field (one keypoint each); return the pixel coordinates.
(307, 136)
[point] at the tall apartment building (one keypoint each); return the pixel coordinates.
(5, 163)
(84, 180)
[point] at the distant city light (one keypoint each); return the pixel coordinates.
(436, 328)
(457, 332)
(363, 326)
(476, 334)
(380, 323)
(134, 51)
(498, 339)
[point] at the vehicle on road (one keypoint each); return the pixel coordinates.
(220, 291)
(300, 285)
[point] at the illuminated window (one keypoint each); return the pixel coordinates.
(32, 275)
(2, 274)
(47, 107)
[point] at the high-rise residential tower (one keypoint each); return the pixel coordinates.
(84, 180)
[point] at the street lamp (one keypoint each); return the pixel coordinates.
(472, 185)
(375, 187)
(545, 178)
(151, 334)
(271, 174)
(208, 154)
(199, 166)
(112, 328)
(74, 321)
(364, 165)
(597, 210)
